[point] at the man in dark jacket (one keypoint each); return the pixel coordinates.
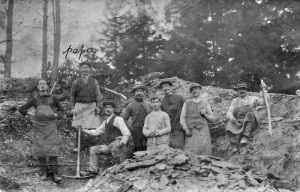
(137, 110)
(85, 99)
(45, 139)
(172, 104)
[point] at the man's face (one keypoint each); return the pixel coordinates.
(108, 109)
(42, 86)
(195, 91)
(155, 104)
(85, 70)
(139, 93)
(166, 88)
(242, 92)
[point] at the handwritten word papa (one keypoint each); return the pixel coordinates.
(78, 51)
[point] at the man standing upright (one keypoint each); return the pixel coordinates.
(85, 100)
(45, 139)
(172, 104)
(138, 110)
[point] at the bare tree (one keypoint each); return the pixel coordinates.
(9, 40)
(57, 37)
(45, 46)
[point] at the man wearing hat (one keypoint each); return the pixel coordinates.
(118, 141)
(137, 110)
(194, 118)
(85, 98)
(172, 104)
(242, 116)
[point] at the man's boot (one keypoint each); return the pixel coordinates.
(43, 167)
(54, 169)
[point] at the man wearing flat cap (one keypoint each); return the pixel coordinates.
(242, 116)
(118, 141)
(172, 104)
(85, 98)
(137, 110)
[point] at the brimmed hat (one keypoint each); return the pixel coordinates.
(193, 85)
(85, 63)
(165, 82)
(241, 85)
(136, 87)
(111, 103)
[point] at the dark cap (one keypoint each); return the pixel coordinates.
(165, 82)
(241, 85)
(193, 85)
(136, 87)
(111, 103)
(85, 63)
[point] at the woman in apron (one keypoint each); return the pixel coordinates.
(45, 138)
(195, 115)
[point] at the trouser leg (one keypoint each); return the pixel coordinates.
(53, 164)
(43, 165)
(94, 152)
(177, 140)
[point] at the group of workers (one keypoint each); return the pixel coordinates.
(155, 125)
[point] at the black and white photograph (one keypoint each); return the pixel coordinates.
(149, 95)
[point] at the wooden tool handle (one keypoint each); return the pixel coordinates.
(268, 107)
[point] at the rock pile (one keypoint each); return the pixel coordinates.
(175, 170)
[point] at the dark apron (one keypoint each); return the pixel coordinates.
(45, 139)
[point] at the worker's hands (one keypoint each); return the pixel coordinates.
(152, 134)
(188, 133)
(233, 119)
(55, 114)
(72, 111)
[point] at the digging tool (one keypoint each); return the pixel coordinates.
(78, 176)
(112, 91)
(263, 87)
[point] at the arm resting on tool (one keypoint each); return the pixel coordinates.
(100, 130)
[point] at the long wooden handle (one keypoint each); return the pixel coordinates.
(78, 154)
(268, 110)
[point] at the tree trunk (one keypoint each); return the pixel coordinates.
(57, 37)
(45, 47)
(9, 42)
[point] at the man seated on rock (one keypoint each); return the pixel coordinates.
(117, 138)
(157, 127)
(242, 116)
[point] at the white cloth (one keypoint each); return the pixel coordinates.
(119, 123)
(84, 116)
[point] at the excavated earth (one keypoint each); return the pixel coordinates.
(266, 164)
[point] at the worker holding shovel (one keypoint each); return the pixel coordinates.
(118, 141)
(242, 116)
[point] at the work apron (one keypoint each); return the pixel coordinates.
(243, 116)
(45, 138)
(200, 141)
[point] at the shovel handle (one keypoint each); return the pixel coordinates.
(78, 153)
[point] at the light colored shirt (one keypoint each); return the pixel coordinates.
(119, 123)
(157, 121)
(183, 111)
(252, 101)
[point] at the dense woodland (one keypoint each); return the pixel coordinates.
(213, 42)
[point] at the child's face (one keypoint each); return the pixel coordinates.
(155, 104)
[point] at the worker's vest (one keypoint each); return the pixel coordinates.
(111, 132)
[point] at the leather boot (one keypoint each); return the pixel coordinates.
(54, 169)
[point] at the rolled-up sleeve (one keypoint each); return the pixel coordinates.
(72, 93)
(98, 93)
(120, 124)
(182, 117)
(100, 130)
(231, 109)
